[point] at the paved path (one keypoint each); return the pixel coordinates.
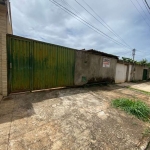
(70, 119)
(144, 86)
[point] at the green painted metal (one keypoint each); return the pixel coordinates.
(19, 64)
(37, 65)
(145, 74)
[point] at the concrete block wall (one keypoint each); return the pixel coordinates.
(0, 64)
(3, 54)
(89, 68)
(4, 66)
(139, 72)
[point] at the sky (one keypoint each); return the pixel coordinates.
(129, 25)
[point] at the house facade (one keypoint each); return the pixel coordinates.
(5, 28)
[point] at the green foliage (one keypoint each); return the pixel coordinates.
(129, 60)
(134, 107)
(148, 64)
(142, 62)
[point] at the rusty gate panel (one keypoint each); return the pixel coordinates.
(35, 65)
(19, 64)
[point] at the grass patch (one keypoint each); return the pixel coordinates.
(144, 92)
(134, 107)
(146, 132)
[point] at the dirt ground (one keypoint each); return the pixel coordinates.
(71, 119)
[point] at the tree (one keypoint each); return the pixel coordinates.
(142, 62)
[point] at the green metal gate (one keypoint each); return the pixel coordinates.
(145, 74)
(35, 65)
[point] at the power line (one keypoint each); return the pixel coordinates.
(147, 4)
(85, 22)
(104, 24)
(126, 53)
(122, 53)
(139, 12)
(79, 19)
(143, 56)
(142, 8)
(101, 23)
(103, 20)
(141, 53)
(146, 7)
(70, 6)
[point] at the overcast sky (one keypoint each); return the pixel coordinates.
(44, 21)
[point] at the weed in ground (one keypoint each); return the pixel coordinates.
(146, 132)
(134, 107)
(137, 90)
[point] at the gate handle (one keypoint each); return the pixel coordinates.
(10, 65)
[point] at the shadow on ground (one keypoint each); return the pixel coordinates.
(17, 106)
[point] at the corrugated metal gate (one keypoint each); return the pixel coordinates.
(34, 65)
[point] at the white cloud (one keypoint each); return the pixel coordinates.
(42, 20)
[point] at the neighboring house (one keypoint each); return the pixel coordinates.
(5, 28)
(126, 72)
(141, 72)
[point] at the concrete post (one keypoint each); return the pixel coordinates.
(4, 66)
(0, 64)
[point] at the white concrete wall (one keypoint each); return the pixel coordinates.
(139, 72)
(3, 31)
(129, 73)
(121, 71)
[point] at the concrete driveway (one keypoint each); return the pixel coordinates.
(70, 119)
(144, 86)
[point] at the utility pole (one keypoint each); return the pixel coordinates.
(133, 72)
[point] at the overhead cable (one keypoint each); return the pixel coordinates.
(102, 21)
(86, 23)
(139, 12)
(146, 7)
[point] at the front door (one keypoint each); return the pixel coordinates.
(145, 74)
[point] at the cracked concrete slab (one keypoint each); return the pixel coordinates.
(70, 119)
